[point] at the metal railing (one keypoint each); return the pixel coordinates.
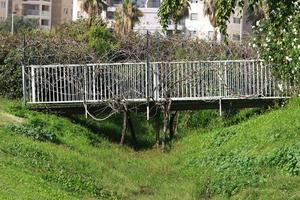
(189, 80)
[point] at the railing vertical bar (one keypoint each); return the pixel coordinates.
(33, 84)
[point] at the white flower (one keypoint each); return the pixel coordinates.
(257, 23)
(295, 31)
(254, 45)
(288, 58)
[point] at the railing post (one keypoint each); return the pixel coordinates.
(33, 83)
(94, 83)
(155, 82)
(24, 85)
(85, 83)
(226, 85)
(148, 78)
(220, 89)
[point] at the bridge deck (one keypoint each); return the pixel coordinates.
(190, 85)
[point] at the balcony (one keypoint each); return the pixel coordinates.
(31, 12)
(45, 13)
(36, 1)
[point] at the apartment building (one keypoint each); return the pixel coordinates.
(48, 12)
(62, 12)
(4, 8)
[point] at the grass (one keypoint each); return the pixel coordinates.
(255, 159)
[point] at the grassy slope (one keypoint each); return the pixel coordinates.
(257, 159)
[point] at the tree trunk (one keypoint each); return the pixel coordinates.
(215, 34)
(172, 126)
(175, 28)
(165, 129)
(166, 109)
(124, 130)
(134, 139)
(157, 129)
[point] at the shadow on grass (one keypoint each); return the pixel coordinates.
(111, 130)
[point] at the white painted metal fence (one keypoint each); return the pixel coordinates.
(191, 80)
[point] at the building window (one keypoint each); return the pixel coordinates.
(110, 15)
(211, 35)
(65, 11)
(236, 20)
(2, 4)
(194, 16)
(153, 3)
(45, 22)
(236, 37)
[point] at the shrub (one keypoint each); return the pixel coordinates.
(37, 133)
(101, 39)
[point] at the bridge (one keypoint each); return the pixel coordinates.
(189, 85)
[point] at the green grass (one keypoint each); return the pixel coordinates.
(255, 159)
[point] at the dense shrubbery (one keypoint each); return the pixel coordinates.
(20, 24)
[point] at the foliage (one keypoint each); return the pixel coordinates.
(173, 10)
(21, 24)
(210, 119)
(101, 39)
(277, 39)
(40, 48)
(10, 68)
(176, 47)
(35, 132)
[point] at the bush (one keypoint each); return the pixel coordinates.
(101, 39)
(37, 133)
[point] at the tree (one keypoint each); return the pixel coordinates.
(173, 10)
(210, 11)
(93, 8)
(125, 17)
(20, 24)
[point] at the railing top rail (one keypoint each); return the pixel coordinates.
(143, 63)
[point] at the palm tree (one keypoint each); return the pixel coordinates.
(210, 9)
(125, 17)
(93, 8)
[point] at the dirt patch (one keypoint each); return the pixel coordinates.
(6, 118)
